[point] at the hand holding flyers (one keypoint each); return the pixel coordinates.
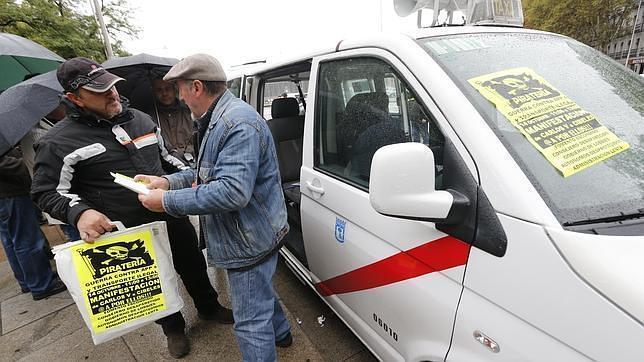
(149, 188)
(153, 182)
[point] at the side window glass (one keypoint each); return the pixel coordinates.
(393, 94)
(234, 86)
(281, 89)
(247, 89)
(362, 105)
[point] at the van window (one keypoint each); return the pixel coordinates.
(247, 88)
(281, 89)
(234, 86)
(363, 104)
(595, 83)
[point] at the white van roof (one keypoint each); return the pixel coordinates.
(380, 39)
(388, 40)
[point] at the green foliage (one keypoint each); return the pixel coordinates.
(594, 22)
(68, 27)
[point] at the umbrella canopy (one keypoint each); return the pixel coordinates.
(20, 57)
(24, 104)
(139, 71)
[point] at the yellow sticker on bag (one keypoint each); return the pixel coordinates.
(570, 138)
(119, 279)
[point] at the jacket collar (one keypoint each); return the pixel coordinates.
(221, 105)
(206, 118)
(211, 116)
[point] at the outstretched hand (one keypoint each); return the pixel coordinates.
(153, 182)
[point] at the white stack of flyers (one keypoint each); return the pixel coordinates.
(129, 183)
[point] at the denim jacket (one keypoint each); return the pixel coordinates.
(239, 197)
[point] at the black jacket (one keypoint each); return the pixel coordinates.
(14, 176)
(75, 158)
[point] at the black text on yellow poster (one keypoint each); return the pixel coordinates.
(119, 279)
(570, 138)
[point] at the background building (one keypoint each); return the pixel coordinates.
(618, 48)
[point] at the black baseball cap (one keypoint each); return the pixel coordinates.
(86, 73)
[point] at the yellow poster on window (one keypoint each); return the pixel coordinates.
(119, 279)
(570, 138)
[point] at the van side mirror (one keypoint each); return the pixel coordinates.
(402, 184)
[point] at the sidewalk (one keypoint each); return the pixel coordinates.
(52, 330)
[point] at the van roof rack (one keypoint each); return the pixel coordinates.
(249, 63)
(473, 12)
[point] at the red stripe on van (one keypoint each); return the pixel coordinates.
(436, 255)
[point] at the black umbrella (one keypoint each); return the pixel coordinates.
(139, 71)
(20, 57)
(24, 104)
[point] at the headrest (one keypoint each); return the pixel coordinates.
(378, 100)
(285, 107)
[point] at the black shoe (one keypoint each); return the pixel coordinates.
(222, 315)
(287, 341)
(25, 289)
(56, 287)
(178, 344)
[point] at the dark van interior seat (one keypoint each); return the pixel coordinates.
(287, 127)
(362, 111)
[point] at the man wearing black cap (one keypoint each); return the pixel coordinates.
(72, 180)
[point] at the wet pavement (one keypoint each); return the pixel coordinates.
(52, 329)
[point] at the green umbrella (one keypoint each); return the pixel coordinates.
(20, 57)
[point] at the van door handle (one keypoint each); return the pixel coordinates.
(315, 188)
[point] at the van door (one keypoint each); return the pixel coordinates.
(396, 282)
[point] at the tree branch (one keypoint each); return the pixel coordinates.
(15, 21)
(60, 6)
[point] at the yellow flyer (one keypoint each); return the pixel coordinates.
(119, 279)
(570, 138)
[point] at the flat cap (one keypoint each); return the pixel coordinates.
(198, 66)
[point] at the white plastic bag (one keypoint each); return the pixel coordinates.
(122, 281)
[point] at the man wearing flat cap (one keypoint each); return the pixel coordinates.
(239, 198)
(72, 180)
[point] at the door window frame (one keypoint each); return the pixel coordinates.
(404, 75)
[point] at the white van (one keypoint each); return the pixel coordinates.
(471, 193)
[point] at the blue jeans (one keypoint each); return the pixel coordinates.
(259, 318)
(71, 233)
(24, 243)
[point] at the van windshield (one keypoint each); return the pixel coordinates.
(572, 118)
